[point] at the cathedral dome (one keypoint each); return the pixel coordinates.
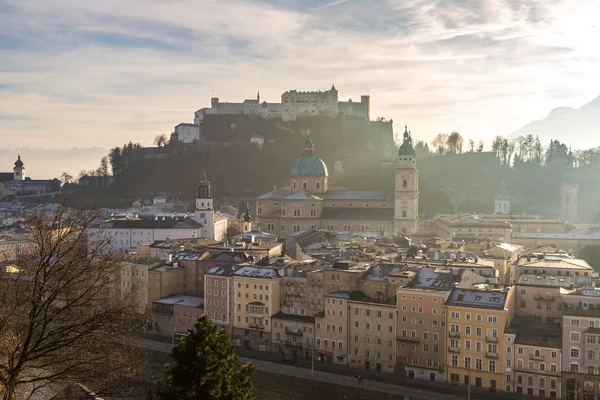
(308, 165)
(19, 163)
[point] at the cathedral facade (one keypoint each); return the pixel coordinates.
(310, 203)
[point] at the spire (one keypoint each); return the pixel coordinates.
(19, 163)
(309, 147)
(258, 95)
(246, 215)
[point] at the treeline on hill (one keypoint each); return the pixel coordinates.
(456, 175)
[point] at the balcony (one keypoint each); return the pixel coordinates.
(257, 326)
(454, 349)
(491, 339)
(454, 334)
(544, 297)
(536, 358)
(408, 339)
(489, 354)
(295, 332)
(256, 314)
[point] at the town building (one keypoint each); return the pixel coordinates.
(17, 183)
(309, 203)
(302, 293)
(176, 313)
(569, 202)
(372, 336)
(421, 329)
(450, 226)
(219, 300)
(134, 280)
(12, 245)
(558, 265)
(257, 298)
(187, 133)
(502, 200)
(475, 324)
(293, 335)
(331, 329)
(572, 242)
(581, 345)
(532, 360)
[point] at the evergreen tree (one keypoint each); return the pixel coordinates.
(206, 367)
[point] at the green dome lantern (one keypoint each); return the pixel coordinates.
(308, 163)
(406, 148)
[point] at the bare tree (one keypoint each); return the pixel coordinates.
(66, 178)
(161, 140)
(471, 145)
(439, 143)
(480, 146)
(61, 319)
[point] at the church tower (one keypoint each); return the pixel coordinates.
(502, 200)
(569, 199)
(19, 170)
(406, 195)
(204, 213)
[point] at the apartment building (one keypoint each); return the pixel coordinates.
(257, 298)
(176, 313)
(302, 293)
(532, 358)
(341, 277)
(378, 282)
(372, 344)
(166, 279)
(220, 294)
(421, 325)
(331, 327)
(553, 264)
(293, 335)
(475, 323)
(581, 345)
(133, 280)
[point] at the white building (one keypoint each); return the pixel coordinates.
(296, 104)
(247, 107)
(126, 231)
(187, 133)
(502, 200)
(406, 197)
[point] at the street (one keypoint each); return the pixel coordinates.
(277, 368)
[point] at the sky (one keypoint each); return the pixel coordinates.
(100, 73)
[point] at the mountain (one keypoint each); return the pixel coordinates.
(51, 163)
(577, 127)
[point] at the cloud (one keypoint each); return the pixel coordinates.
(101, 73)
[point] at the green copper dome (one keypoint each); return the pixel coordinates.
(406, 148)
(308, 165)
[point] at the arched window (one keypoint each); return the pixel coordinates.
(304, 185)
(294, 184)
(405, 183)
(318, 185)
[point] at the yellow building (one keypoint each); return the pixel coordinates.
(256, 299)
(475, 323)
(133, 280)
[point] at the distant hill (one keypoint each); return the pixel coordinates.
(51, 163)
(579, 127)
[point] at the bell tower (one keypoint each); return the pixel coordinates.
(406, 195)
(204, 213)
(19, 170)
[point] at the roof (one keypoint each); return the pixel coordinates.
(256, 272)
(358, 195)
(378, 214)
(538, 337)
(302, 195)
(381, 271)
(406, 148)
(339, 295)
(151, 223)
(491, 300)
(558, 263)
(234, 257)
(291, 317)
(308, 165)
(562, 236)
(222, 270)
(75, 392)
(186, 301)
(563, 281)
(436, 279)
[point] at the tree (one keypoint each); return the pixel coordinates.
(206, 367)
(471, 145)
(60, 320)
(66, 178)
(439, 143)
(497, 147)
(480, 146)
(454, 143)
(421, 148)
(161, 140)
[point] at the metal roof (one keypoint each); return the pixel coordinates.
(436, 279)
(564, 281)
(477, 299)
(256, 272)
(186, 301)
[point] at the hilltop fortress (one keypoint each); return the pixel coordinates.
(293, 104)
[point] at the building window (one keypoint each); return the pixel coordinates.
(313, 213)
(318, 185)
(329, 227)
(404, 214)
(296, 212)
(259, 211)
(271, 227)
(296, 228)
(282, 228)
(304, 185)
(404, 183)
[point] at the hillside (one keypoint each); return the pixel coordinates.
(567, 124)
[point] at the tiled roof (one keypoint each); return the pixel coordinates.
(373, 214)
(477, 299)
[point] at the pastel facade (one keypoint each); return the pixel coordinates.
(372, 336)
(176, 313)
(475, 323)
(293, 335)
(220, 294)
(332, 334)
